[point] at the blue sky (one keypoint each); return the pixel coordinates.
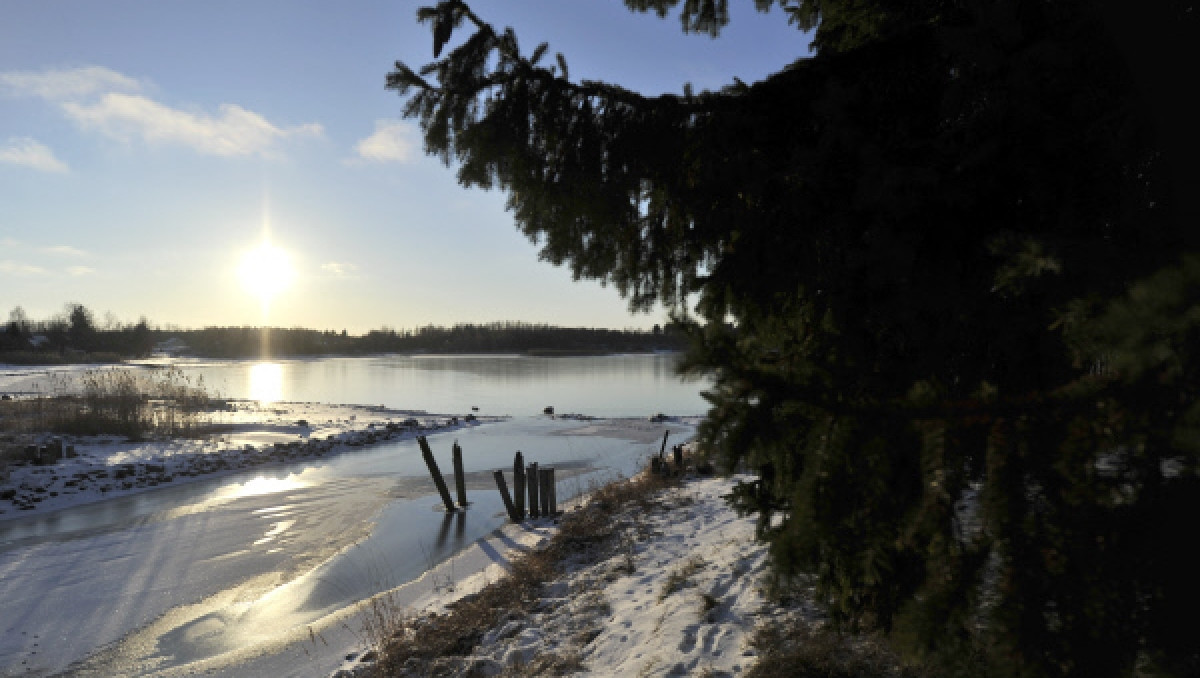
(143, 144)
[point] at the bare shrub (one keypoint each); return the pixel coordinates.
(383, 619)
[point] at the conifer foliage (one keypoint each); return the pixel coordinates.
(939, 277)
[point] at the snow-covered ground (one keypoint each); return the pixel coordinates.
(680, 593)
(250, 434)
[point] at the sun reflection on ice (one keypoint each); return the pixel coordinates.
(266, 382)
(260, 485)
(276, 530)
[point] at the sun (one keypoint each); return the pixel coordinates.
(266, 271)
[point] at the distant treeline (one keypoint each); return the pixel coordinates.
(75, 336)
(72, 336)
(500, 337)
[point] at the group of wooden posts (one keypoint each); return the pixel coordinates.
(460, 481)
(528, 481)
(660, 464)
(537, 483)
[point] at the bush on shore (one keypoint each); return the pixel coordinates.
(113, 401)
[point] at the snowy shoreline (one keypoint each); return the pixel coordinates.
(679, 591)
(248, 435)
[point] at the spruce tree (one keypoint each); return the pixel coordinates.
(939, 276)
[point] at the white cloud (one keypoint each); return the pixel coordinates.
(233, 131)
(339, 269)
(10, 267)
(100, 99)
(392, 141)
(27, 152)
(65, 251)
(74, 83)
(80, 270)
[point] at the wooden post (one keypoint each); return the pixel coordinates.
(531, 481)
(553, 494)
(437, 475)
(519, 483)
(460, 480)
(663, 450)
(508, 503)
(678, 450)
(544, 476)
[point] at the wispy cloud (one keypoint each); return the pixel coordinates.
(80, 270)
(66, 84)
(17, 268)
(113, 104)
(339, 269)
(392, 141)
(27, 152)
(233, 131)
(64, 251)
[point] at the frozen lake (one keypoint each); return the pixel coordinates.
(623, 385)
(199, 576)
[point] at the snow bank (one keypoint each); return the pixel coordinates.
(681, 593)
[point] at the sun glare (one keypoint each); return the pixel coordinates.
(266, 382)
(266, 271)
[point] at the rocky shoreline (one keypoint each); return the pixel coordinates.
(70, 470)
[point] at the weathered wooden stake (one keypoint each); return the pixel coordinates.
(519, 483)
(437, 475)
(678, 450)
(508, 503)
(553, 494)
(663, 450)
(544, 477)
(460, 480)
(532, 482)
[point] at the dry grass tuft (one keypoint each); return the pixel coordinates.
(681, 577)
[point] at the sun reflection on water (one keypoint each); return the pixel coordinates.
(266, 382)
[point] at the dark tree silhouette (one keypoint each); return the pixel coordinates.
(939, 280)
(81, 327)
